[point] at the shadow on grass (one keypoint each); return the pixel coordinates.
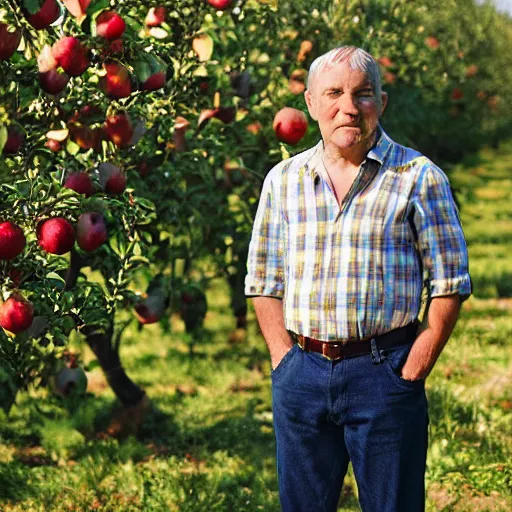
(14, 482)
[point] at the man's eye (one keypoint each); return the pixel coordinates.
(334, 93)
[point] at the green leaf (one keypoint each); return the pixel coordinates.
(32, 6)
(3, 137)
(72, 148)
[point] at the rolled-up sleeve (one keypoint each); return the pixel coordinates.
(441, 242)
(265, 274)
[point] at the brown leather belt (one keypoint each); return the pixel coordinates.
(335, 350)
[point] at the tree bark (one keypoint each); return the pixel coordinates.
(102, 344)
(128, 393)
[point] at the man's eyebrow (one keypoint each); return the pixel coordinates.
(362, 87)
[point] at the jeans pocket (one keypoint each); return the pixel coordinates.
(278, 370)
(394, 362)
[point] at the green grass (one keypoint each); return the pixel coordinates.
(210, 445)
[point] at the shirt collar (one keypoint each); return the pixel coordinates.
(378, 152)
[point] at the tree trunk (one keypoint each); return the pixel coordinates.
(125, 389)
(104, 348)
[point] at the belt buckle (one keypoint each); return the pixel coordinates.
(325, 346)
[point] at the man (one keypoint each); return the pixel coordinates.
(344, 235)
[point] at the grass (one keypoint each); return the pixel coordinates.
(210, 446)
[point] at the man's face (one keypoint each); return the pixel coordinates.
(344, 104)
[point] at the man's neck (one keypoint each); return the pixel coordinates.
(341, 160)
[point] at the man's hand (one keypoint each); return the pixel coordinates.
(269, 311)
(442, 316)
(278, 352)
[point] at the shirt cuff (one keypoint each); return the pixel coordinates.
(267, 290)
(460, 285)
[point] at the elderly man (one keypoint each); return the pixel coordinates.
(346, 237)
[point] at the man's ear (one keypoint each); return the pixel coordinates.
(384, 102)
(310, 102)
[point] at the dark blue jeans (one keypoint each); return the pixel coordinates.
(329, 413)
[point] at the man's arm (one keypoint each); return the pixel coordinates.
(442, 316)
(269, 312)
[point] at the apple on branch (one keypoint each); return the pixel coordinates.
(40, 13)
(14, 141)
(116, 82)
(119, 129)
(71, 55)
(290, 125)
(110, 25)
(16, 313)
(12, 240)
(9, 41)
(80, 182)
(91, 231)
(52, 81)
(56, 235)
(112, 178)
(155, 16)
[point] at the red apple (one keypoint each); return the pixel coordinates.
(80, 182)
(77, 8)
(290, 125)
(110, 25)
(143, 169)
(220, 4)
(56, 235)
(116, 184)
(151, 309)
(457, 94)
(88, 111)
(84, 136)
(53, 145)
(45, 16)
(12, 240)
(385, 61)
(71, 55)
(116, 83)
(14, 141)
(115, 46)
(16, 313)
(112, 178)
(150, 73)
(91, 231)
(9, 41)
(155, 17)
(155, 81)
(119, 129)
(53, 81)
(389, 77)
(432, 42)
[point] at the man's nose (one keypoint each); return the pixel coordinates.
(348, 105)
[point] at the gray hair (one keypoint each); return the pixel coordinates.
(357, 58)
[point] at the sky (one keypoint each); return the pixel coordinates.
(502, 5)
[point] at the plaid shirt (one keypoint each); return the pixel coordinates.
(359, 270)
